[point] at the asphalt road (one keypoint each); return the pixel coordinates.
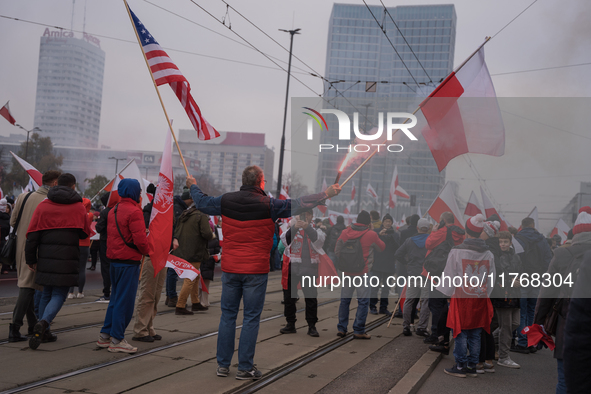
(536, 375)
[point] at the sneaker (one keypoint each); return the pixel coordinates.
(103, 342)
(455, 371)
(341, 334)
(488, 367)
(471, 372)
(479, 368)
(80, 295)
(253, 374)
(507, 362)
(520, 349)
(373, 311)
(122, 347)
(406, 332)
(104, 300)
(422, 333)
(431, 340)
(222, 371)
(70, 296)
(362, 336)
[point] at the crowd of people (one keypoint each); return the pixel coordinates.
(487, 320)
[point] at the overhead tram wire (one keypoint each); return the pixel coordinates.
(215, 32)
(541, 69)
(404, 38)
(391, 44)
(135, 43)
(511, 21)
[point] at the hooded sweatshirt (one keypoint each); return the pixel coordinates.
(529, 237)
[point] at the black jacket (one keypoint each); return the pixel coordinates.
(56, 252)
(412, 254)
(208, 266)
(506, 264)
(385, 261)
(333, 237)
(408, 232)
(577, 341)
(561, 264)
(4, 226)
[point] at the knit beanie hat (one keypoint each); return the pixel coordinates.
(492, 228)
(387, 217)
(363, 218)
(186, 194)
(474, 225)
(583, 222)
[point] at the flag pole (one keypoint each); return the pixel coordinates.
(123, 169)
(156, 87)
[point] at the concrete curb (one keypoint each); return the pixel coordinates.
(417, 374)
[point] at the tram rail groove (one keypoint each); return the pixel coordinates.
(273, 376)
(81, 371)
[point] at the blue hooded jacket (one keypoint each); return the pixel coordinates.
(129, 188)
(412, 254)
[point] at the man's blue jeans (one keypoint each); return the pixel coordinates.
(529, 298)
(251, 288)
(52, 300)
(171, 279)
(363, 293)
(561, 385)
(467, 340)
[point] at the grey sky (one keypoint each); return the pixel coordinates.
(238, 97)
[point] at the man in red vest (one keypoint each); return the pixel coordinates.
(248, 218)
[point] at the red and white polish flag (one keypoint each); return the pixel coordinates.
(489, 210)
(283, 195)
(34, 173)
(160, 236)
(446, 202)
(353, 191)
(472, 206)
(185, 270)
(562, 229)
(371, 192)
(458, 125)
(396, 189)
(5, 111)
(534, 215)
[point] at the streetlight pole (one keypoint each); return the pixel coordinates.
(28, 131)
(116, 163)
(361, 170)
(282, 151)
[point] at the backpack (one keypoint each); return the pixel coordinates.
(350, 258)
(436, 260)
(532, 257)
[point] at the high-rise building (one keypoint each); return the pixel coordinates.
(224, 158)
(69, 89)
(367, 76)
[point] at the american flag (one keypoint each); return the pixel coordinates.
(166, 72)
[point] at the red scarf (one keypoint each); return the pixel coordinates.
(50, 215)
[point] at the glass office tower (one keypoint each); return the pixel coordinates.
(366, 75)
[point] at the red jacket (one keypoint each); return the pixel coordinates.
(437, 237)
(131, 223)
(369, 241)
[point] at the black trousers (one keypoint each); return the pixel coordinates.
(437, 303)
(94, 251)
(25, 306)
(442, 328)
(105, 269)
(310, 294)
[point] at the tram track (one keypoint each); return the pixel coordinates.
(71, 374)
(98, 324)
(274, 376)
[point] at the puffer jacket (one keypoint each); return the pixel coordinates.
(384, 261)
(193, 232)
(56, 252)
(131, 223)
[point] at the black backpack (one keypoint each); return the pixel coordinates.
(436, 260)
(532, 257)
(350, 257)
